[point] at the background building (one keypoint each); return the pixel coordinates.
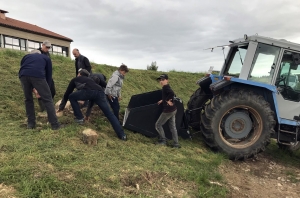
(19, 35)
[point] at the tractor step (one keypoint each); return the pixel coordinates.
(283, 135)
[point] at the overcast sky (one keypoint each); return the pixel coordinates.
(171, 32)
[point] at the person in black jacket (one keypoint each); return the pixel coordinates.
(36, 73)
(168, 114)
(46, 46)
(81, 62)
(88, 89)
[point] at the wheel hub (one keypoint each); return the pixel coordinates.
(238, 125)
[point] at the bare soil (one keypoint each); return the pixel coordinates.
(261, 177)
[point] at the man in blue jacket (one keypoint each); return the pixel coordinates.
(36, 72)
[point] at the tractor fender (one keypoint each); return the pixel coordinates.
(267, 91)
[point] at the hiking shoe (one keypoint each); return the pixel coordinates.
(161, 143)
(57, 127)
(79, 121)
(176, 146)
(30, 126)
(124, 138)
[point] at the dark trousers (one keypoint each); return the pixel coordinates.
(53, 92)
(28, 83)
(99, 97)
(115, 106)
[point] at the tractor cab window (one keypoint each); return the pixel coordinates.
(263, 64)
(287, 79)
(235, 62)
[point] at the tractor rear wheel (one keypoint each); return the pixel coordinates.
(238, 123)
(197, 100)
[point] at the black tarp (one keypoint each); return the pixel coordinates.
(143, 111)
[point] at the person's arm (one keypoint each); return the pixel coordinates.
(87, 64)
(65, 99)
(170, 95)
(102, 83)
(111, 82)
(48, 71)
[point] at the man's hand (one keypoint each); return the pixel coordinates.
(170, 103)
(80, 102)
(119, 98)
(110, 97)
(87, 118)
(159, 102)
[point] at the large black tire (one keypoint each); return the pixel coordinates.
(291, 147)
(238, 123)
(197, 100)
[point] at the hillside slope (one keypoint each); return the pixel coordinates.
(46, 163)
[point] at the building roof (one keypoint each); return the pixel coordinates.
(27, 27)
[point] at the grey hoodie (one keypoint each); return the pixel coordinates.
(114, 84)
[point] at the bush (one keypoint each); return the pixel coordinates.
(153, 66)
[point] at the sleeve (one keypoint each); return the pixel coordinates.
(170, 93)
(102, 83)
(89, 109)
(87, 64)
(111, 82)
(49, 71)
(69, 90)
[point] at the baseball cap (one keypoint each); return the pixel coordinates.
(163, 76)
(47, 43)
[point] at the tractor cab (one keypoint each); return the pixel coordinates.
(255, 97)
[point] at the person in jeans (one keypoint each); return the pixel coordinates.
(113, 88)
(36, 73)
(88, 89)
(168, 114)
(46, 46)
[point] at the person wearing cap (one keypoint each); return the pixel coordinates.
(81, 62)
(36, 73)
(88, 89)
(46, 46)
(113, 88)
(168, 114)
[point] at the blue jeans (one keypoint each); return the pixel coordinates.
(115, 106)
(99, 97)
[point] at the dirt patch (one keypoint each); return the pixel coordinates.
(261, 177)
(7, 191)
(148, 182)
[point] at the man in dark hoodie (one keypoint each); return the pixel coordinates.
(81, 62)
(88, 89)
(36, 73)
(169, 112)
(46, 46)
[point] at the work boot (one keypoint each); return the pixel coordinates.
(57, 126)
(79, 121)
(30, 125)
(161, 142)
(176, 146)
(124, 138)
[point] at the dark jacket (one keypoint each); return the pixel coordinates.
(38, 66)
(82, 62)
(80, 83)
(167, 94)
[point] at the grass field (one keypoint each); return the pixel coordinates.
(46, 163)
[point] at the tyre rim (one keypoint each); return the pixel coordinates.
(240, 127)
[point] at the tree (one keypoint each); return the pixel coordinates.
(153, 66)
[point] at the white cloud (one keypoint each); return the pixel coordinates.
(171, 32)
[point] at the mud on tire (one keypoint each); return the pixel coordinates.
(197, 100)
(238, 123)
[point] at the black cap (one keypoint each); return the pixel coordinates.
(163, 76)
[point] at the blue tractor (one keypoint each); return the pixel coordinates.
(250, 101)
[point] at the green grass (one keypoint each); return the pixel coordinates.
(46, 163)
